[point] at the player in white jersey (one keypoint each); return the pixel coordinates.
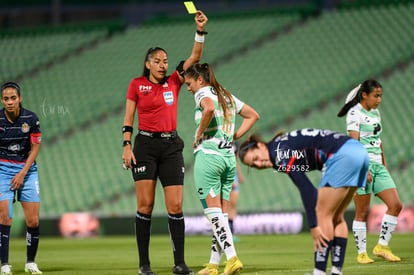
(364, 124)
(215, 163)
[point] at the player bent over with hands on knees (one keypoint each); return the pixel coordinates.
(344, 162)
(157, 151)
(20, 139)
(215, 162)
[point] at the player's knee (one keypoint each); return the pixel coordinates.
(174, 207)
(145, 209)
(395, 208)
(5, 219)
(338, 220)
(32, 222)
(361, 213)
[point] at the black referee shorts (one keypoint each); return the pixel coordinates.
(159, 157)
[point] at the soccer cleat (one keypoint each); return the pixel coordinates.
(385, 252)
(6, 270)
(32, 268)
(145, 270)
(363, 258)
(233, 265)
(209, 269)
(182, 269)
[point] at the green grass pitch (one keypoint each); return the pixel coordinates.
(262, 254)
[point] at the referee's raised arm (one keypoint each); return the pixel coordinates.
(196, 54)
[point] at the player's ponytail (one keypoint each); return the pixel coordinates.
(206, 72)
(355, 95)
(223, 95)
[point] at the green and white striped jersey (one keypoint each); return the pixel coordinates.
(368, 124)
(219, 133)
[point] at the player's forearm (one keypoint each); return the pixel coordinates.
(246, 125)
(206, 118)
(34, 152)
(250, 117)
(195, 57)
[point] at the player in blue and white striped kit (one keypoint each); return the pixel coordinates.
(20, 139)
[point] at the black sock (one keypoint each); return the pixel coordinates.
(4, 239)
(338, 251)
(32, 242)
(142, 234)
(321, 257)
(231, 226)
(176, 228)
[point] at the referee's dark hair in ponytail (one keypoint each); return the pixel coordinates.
(149, 54)
(354, 97)
(207, 73)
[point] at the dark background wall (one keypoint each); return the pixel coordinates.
(29, 13)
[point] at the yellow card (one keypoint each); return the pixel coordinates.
(190, 7)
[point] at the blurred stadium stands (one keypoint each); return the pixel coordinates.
(294, 67)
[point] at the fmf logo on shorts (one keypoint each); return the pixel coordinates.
(140, 170)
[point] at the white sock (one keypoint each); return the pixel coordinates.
(216, 252)
(221, 231)
(318, 272)
(359, 230)
(387, 229)
(335, 270)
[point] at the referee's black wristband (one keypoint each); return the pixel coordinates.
(201, 32)
(126, 142)
(127, 128)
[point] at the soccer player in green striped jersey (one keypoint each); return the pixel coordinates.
(364, 124)
(215, 163)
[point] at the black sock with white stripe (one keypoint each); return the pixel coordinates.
(338, 254)
(4, 243)
(142, 234)
(32, 242)
(321, 257)
(176, 227)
